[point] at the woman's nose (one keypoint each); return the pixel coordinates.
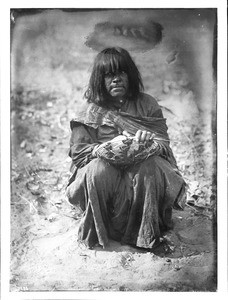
(116, 79)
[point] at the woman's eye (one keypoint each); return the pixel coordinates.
(123, 73)
(110, 74)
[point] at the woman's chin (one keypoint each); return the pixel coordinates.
(117, 95)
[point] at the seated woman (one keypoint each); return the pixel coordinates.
(129, 203)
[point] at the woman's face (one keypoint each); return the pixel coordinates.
(116, 84)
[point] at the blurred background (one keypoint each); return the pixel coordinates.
(53, 50)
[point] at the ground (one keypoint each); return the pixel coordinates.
(45, 254)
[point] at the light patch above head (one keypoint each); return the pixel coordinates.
(131, 35)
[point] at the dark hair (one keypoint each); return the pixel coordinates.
(112, 60)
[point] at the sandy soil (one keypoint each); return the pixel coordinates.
(55, 261)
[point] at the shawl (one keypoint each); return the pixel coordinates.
(96, 116)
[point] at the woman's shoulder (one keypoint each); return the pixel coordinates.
(148, 101)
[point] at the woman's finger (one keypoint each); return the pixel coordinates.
(143, 136)
(152, 136)
(138, 135)
(148, 135)
(126, 133)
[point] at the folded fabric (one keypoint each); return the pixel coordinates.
(96, 116)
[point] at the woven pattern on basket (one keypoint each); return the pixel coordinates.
(126, 152)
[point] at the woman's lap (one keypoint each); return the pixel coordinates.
(97, 171)
(131, 204)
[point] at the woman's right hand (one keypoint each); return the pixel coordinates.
(141, 136)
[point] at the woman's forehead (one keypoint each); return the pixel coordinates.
(114, 63)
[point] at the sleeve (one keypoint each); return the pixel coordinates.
(164, 149)
(82, 143)
(154, 108)
(156, 112)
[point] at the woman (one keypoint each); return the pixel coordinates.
(131, 204)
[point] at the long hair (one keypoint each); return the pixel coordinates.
(112, 60)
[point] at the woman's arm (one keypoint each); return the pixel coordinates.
(82, 143)
(165, 150)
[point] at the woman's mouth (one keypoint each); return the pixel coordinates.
(117, 91)
(117, 88)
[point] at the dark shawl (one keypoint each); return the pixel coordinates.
(96, 116)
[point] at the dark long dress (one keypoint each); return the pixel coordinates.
(134, 205)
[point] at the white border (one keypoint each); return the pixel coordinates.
(222, 148)
(221, 5)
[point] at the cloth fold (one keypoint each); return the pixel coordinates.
(96, 116)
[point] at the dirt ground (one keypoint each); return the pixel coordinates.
(44, 249)
(51, 74)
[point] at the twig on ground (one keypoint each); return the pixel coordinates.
(193, 208)
(26, 170)
(30, 203)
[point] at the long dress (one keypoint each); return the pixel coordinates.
(132, 205)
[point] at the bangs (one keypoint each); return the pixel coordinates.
(114, 62)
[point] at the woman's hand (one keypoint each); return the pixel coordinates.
(119, 138)
(141, 136)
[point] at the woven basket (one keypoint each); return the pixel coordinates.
(125, 152)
